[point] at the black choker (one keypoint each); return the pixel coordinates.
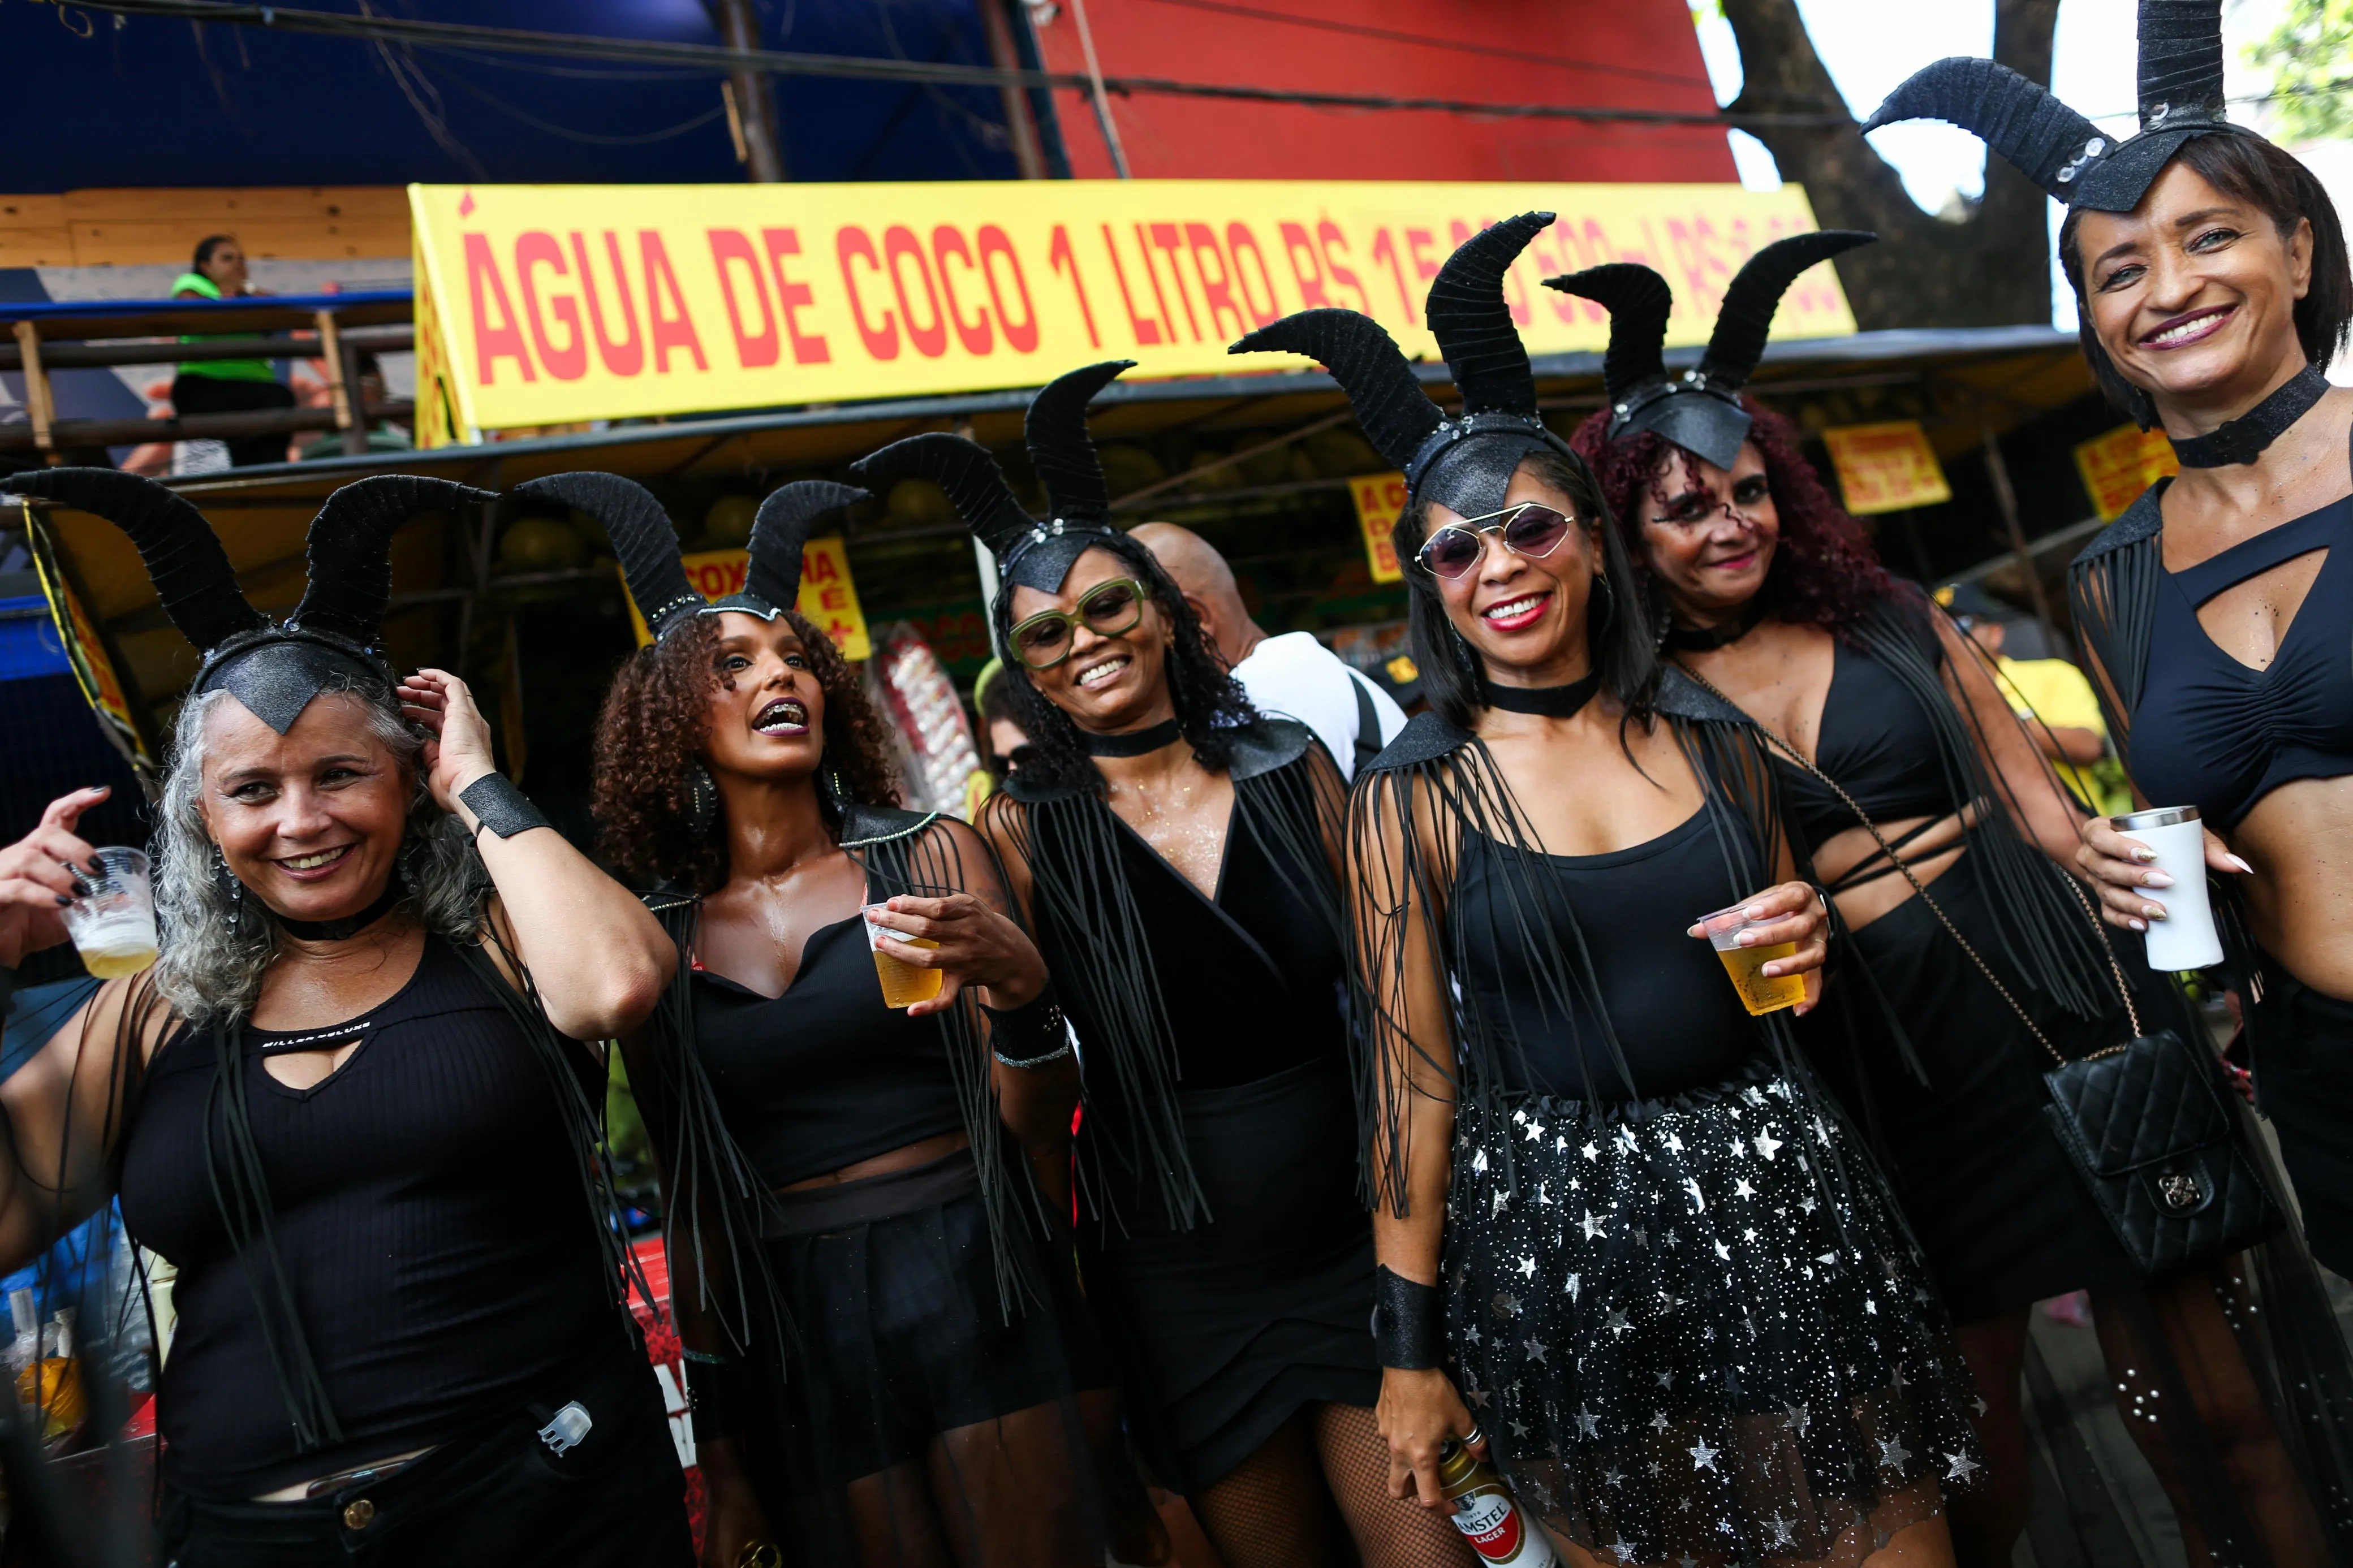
(1132, 742)
(1546, 701)
(1708, 639)
(349, 926)
(2243, 440)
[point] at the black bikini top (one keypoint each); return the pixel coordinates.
(2212, 732)
(1881, 747)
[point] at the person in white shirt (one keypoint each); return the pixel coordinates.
(1293, 675)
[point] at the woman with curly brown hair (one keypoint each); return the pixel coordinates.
(1940, 834)
(1179, 854)
(887, 1358)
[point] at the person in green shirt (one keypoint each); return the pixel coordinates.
(228, 385)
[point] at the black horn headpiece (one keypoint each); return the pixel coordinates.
(1465, 463)
(334, 635)
(2058, 148)
(781, 532)
(1699, 411)
(1034, 552)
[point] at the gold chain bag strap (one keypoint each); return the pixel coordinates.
(2150, 1125)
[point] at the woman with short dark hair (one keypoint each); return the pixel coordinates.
(228, 385)
(885, 1345)
(1615, 1209)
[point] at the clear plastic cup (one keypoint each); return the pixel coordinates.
(113, 924)
(1759, 993)
(904, 983)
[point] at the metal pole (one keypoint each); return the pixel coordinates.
(37, 406)
(1102, 99)
(2006, 498)
(1020, 125)
(751, 107)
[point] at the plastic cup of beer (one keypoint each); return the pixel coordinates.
(113, 924)
(1759, 993)
(904, 983)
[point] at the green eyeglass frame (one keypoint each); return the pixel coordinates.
(1108, 620)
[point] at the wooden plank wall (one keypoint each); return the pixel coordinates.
(122, 227)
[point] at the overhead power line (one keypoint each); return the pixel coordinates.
(720, 59)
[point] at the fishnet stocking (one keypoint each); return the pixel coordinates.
(1273, 1509)
(1390, 1533)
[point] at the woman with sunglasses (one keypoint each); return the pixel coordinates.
(1176, 855)
(1616, 1214)
(1888, 728)
(886, 1348)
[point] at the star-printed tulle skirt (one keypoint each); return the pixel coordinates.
(1695, 1330)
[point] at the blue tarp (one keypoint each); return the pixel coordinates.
(29, 640)
(158, 102)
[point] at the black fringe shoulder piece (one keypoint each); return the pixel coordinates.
(2111, 591)
(1288, 798)
(716, 1200)
(1411, 813)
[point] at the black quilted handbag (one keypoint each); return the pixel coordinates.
(2153, 1131)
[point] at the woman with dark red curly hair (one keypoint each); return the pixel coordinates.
(886, 1350)
(1940, 836)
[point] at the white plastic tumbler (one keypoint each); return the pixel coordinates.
(2185, 938)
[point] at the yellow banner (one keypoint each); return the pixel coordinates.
(1886, 468)
(2118, 466)
(1380, 497)
(828, 598)
(557, 303)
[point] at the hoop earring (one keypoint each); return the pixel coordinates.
(702, 800)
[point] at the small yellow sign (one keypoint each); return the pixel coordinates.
(1886, 468)
(829, 596)
(2118, 466)
(1379, 498)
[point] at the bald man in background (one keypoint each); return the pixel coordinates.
(1293, 675)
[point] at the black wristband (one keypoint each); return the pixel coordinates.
(497, 806)
(710, 1394)
(1408, 1334)
(1030, 1035)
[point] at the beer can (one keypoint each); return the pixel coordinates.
(1485, 1511)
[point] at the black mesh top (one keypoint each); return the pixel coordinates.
(427, 1213)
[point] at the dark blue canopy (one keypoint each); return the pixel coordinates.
(156, 102)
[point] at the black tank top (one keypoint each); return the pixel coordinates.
(427, 1212)
(1677, 1017)
(1879, 745)
(1253, 982)
(825, 1075)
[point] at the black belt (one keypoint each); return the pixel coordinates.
(808, 1210)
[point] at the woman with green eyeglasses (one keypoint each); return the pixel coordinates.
(1177, 857)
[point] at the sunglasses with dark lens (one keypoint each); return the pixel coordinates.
(1529, 528)
(1044, 640)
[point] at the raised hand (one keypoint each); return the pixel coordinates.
(458, 750)
(2121, 867)
(1796, 913)
(39, 875)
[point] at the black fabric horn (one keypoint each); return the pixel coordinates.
(1745, 319)
(644, 540)
(350, 550)
(781, 531)
(969, 474)
(1055, 430)
(2180, 62)
(183, 557)
(1397, 415)
(1474, 325)
(2046, 140)
(1639, 302)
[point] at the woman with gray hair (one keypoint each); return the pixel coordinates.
(350, 1100)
